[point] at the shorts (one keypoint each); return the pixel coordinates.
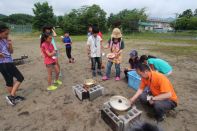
(50, 65)
(9, 71)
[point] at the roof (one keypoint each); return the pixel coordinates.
(146, 24)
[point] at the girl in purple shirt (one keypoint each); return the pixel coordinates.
(7, 67)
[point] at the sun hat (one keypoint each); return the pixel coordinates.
(133, 53)
(116, 33)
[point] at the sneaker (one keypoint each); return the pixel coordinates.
(94, 74)
(19, 98)
(105, 78)
(11, 100)
(99, 73)
(51, 88)
(58, 82)
(117, 78)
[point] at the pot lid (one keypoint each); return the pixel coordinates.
(119, 103)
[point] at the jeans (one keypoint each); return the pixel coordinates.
(95, 60)
(160, 107)
(108, 69)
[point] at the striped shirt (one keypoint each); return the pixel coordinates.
(4, 50)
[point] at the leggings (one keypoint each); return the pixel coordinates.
(9, 71)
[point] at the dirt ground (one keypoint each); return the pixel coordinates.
(60, 110)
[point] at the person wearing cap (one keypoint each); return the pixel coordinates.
(157, 64)
(156, 91)
(133, 61)
(116, 46)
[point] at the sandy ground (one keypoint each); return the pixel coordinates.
(60, 110)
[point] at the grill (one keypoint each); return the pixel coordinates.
(120, 120)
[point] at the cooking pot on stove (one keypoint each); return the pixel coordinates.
(119, 103)
(88, 83)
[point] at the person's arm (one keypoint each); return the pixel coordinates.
(50, 54)
(10, 47)
(152, 67)
(137, 94)
(88, 47)
(54, 33)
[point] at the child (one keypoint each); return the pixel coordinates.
(7, 67)
(94, 51)
(50, 60)
(49, 30)
(116, 45)
(133, 61)
(157, 64)
(68, 42)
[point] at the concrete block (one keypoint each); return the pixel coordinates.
(80, 92)
(111, 119)
(131, 117)
(95, 92)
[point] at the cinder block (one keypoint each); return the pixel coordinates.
(111, 119)
(80, 92)
(131, 117)
(95, 92)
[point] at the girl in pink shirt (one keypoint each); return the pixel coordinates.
(50, 60)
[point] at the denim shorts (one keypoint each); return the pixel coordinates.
(50, 65)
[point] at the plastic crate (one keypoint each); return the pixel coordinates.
(134, 80)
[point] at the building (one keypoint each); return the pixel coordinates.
(156, 25)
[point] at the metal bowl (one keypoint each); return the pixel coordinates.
(111, 55)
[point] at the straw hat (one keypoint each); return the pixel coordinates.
(116, 33)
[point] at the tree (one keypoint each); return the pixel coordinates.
(128, 19)
(43, 15)
(77, 21)
(187, 13)
(195, 12)
(18, 19)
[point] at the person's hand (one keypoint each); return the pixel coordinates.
(150, 99)
(131, 102)
(1, 55)
(10, 42)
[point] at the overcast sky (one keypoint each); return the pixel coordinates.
(155, 8)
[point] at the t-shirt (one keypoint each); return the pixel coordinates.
(160, 65)
(134, 63)
(67, 41)
(95, 46)
(158, 84)
(4, 50)
(47, 47)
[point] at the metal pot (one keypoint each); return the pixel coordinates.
(88, 83)
(120, 104)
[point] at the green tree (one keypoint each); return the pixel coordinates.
(187, 13)
(18, 19)
(77, 21)
(195, 12)
(43, 15)
(128, 18)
